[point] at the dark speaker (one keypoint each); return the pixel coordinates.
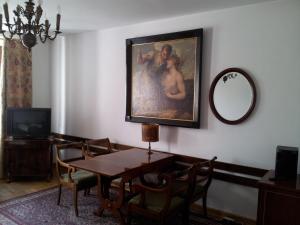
(286, 162)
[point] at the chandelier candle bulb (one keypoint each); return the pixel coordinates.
(0, 22)
(5, 8)
(39, 12)
(47, 23)
(58, 22)
(18, 8)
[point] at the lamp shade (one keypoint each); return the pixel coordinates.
(150, 132)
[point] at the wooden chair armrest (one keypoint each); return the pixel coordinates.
(63, 164)
(70, 168)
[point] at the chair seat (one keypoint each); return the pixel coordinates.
(82, 178)
(155, 201)
(180, 186)
(199, 189)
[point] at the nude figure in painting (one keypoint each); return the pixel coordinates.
(172, 81)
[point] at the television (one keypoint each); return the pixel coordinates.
(31, 123)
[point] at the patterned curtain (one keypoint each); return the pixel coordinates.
(15, 83)
(2, 106)
(17, 70)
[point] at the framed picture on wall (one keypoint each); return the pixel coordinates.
(163, 79)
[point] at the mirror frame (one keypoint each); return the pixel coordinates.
(212, 90)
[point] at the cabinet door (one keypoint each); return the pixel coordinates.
(281, 208)
(21, 160)
(31, 158)
(42, 159)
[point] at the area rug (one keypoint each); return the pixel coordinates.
(40, 209)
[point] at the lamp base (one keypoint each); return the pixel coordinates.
(149, 149)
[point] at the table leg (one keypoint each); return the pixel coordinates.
(101, 198)
(103, 195)
(104, 185)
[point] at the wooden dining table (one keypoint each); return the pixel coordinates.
(125, 164)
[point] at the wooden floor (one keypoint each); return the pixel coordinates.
(23, 187)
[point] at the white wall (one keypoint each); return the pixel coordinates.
(41, 88)
(262, 39)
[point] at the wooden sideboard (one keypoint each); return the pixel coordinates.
(27, 158)
(278, 201)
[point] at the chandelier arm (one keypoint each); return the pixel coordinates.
(10, 29)
(6, 37)
(41, 38)
(53, 37)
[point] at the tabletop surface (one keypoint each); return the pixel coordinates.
(115, 164)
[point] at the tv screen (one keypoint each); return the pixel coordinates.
(28, 122)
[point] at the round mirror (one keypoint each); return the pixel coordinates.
(232, 96)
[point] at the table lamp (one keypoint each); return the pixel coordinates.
(150, 133)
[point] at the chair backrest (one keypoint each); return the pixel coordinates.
(164, 191)
(103, 145)
(203, 172)
(60, 162)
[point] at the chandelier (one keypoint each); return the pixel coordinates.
(26, 24)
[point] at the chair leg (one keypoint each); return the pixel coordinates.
(75, 196)
(59, 194)
(120, 216)
(129, 218)
(204, 205)
(186, 216)
(162, 221)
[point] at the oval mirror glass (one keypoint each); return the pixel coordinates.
(232, 96)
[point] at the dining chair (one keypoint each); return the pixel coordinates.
(96, 147)
(68, 176)
(162, 202)
(203, 175)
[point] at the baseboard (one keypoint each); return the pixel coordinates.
(218, 214)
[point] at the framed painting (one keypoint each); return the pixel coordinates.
(163, 79)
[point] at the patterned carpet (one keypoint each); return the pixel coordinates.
(41, 209)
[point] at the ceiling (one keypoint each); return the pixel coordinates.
(84, 15)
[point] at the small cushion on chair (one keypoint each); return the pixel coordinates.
(117, 182)
(82, 178)
(152, 179)
(156, 201)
